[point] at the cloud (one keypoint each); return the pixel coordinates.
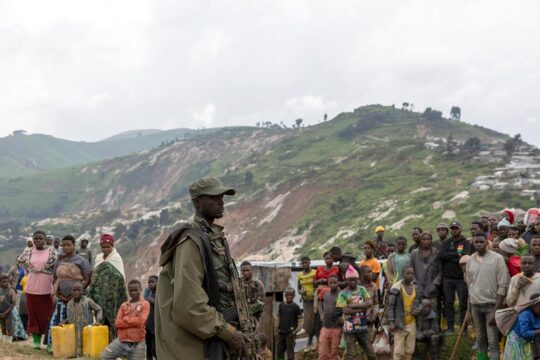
(88, 70)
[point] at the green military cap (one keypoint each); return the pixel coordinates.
(209, 186)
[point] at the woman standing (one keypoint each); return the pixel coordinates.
(39, 262)
(71, 268)
(108, 285)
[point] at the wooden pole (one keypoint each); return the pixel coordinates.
(463, 327)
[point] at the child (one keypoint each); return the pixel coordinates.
(8, 299)
(403, 306)
(265, 353)
(130, 325)
(355, 301)
(80, 312)
(289, 323)
(306, 288)
(150, 296)
(331, 321)
(427, 329)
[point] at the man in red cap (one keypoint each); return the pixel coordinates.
(195, 300)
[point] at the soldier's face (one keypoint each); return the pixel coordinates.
(246, 272)
(210, 206)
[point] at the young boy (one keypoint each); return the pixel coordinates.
(331, 320)
(289, 323)
(427, 329)
(403, 306)
(396, 261)
(150, 296)
(265, 353)
(80, 312)
(355, 301)
(8, 299)
(130, 326)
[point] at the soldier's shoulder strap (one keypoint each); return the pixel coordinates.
(172, 242)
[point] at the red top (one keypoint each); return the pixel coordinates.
(324, 273)
(513, 265)
(131, 321)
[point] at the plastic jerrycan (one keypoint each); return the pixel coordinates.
(64, 341)
(95, 340)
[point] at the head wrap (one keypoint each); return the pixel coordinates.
(509, 245)
(371, 244)
(510, 214)
(351, 273)
(503, 223)
(106, 239)
(379, 228)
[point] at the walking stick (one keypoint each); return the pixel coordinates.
(463, 327)
(382, 318)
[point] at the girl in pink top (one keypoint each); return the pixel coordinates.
(38, 261)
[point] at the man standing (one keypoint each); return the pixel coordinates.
(415, 235)
(488, 282)
(452, 275)
(254, 289)
(442, 233)
(195, 298)
(380, 244)
(524, 285)
(84, 251)
(427, 269)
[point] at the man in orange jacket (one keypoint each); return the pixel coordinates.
(130, 326)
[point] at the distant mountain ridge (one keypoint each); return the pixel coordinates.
(299, 191)
(22, 154)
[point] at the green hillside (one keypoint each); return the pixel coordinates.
(26, 154)
(300, 191)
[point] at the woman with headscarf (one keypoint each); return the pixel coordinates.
(39, 262)
(508, 248)
(71, 268)
(108, 285)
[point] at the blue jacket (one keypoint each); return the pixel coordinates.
(526, 325)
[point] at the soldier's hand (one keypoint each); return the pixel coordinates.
(237, 343)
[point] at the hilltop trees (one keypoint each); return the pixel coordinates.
(455, 113)
(512, 144)
(432, 115)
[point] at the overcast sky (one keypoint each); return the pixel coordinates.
(87, 70)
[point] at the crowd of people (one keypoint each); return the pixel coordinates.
(414, 293)
(397, 299)
(55, 283)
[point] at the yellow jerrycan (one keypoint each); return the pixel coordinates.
(64, 341)
(95, 340)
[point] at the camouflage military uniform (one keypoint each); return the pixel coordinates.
(254, 290)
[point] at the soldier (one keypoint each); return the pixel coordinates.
(254, 290)
(195, 299)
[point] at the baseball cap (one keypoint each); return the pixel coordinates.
(455, 224)
(209, 186)
(379, 228)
